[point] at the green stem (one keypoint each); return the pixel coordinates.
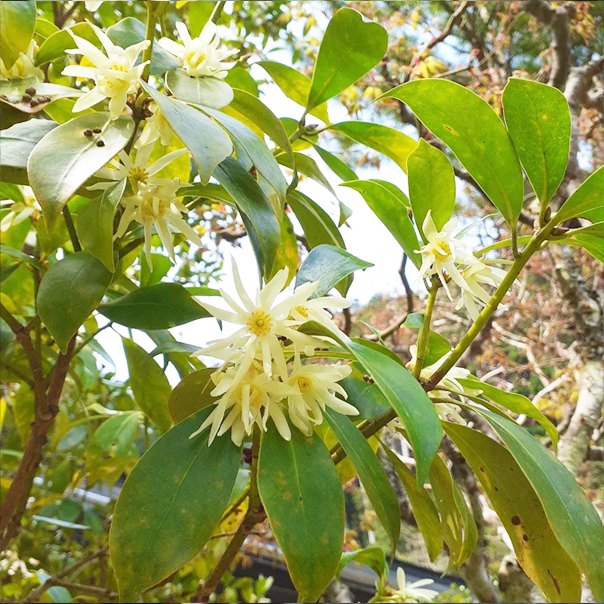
(424, 333)
(75, 242)
(91, 337)
(217, 12)
(153, 14)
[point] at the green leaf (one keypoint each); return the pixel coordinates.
(116, 435)
(538, 120)
(388, 141)
(473, 131)
(571, 515)
(304, 502)
(252, 108)
(406, 396)
(389, 204)
(431, 186)
(17, 144)
(206, 140)
(17, 25)
(70, 290)
(363, 394)
(295, 85)
(12, 92)
(287, 254)
(306, 165)
(256, 150)
(161, 265)
(158, 306)
(364, 43)
(336, 165)
(253, 204)
(9, 251)
(206, 91)
(373, 557)
(591, 244)
(192, 394)
(65, 158)
(371, 473)
(458, 526)
(586, 201)
(128, 31)
(515, 403)
(318, 227)
(538, 551)
(424, 510)
(149, 384)
(438, 346)
(328, 265)
(170, 505)
(95, 224)
(54, 47)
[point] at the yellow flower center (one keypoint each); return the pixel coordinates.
(304, 383)
(194, 58)
(152, 206)
(443, 251)
(260, 323)
(138, 174)
(302, 310)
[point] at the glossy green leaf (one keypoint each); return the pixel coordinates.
(65, 158)
(54, 47)
(116, 435)
(304, 502)
(12, 92)
(572, 516)
(70, 290)
(388, 141)
(372, 475)
(306, 165)
(128, 31)
(431, 185)
(295, 85)
(206, 91)
(587, 201)
(17, 25)
(519, 509)
(458, 526)
(364, 394)
(253, 108)
(515, 403)
(170, 505)
(149, 384)
(328, 265)
(253, 203)
(287, 253)
(95, 224)
(257, 151)
(365, 45)
(161, 266)
(206, 140)
(17, 144)
(373, 557)
(406, 396)
(336, 165)
(389, 204)
(424, 510)
(192, 394)
(438, 346)
(538, 120)
(474, 132)
(158, 306)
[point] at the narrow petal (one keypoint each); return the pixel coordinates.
(161, 163)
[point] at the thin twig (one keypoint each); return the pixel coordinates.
(73, 236)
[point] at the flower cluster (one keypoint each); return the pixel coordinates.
(23, 67)
(412, 592)
(199, 56)
(262, 373)
(446, 256)
(116, 74)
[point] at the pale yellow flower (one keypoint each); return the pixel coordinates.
(412, 592)
(156, 127)
(115, 74)
(92, 6)
(19, 210)
(23, 67)
(475, 275)
(199, 56)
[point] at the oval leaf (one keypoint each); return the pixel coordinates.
(538, 120)
(364, 43)
(17, 25)
(158, 306)
(474, 132)
(65, 158)
(587, 201)
(206, 91)
(304, 502)
(192, 394)
(69, 291)
(170, 505)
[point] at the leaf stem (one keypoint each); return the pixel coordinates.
(424, 333)
(152, 15)
(71, 230)
(217, 12)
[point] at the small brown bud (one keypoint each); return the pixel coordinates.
(100, 143)
(26, 98)
(31, 91)
(97, 130)
(34, 103)
(247, 455)
(368, 379)
(88, 132)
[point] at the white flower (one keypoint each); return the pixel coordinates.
(414, 591)
(92, 6)
(199, 56)
(138, 172)
(19, 210)
(475, 275)
(313, 388)
(116, 74)
(157, 205)
(246, 401)
(156, 127)
(264, 323)
(442, 252)
(23, 67)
